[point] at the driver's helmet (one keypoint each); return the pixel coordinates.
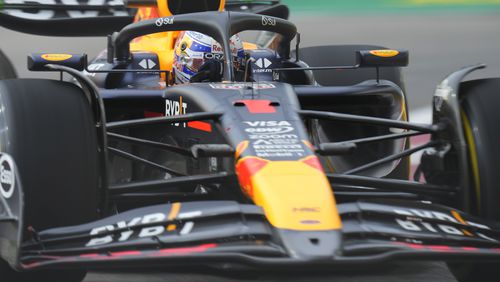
(194, 50)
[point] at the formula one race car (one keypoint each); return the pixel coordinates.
(292, 158)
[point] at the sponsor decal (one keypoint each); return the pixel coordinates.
(7, 176)
(269, 130)
(384, 53)
(178, 107)
(307, 210)
(268, 127)
(213, 56)
(154, 226)
(267, 123)
(273, 139)
(56, 57)
(268, 21)
(217, 48)
(164, 21)
(147, 64)
(175, 108)
(239, 86)
(263, 65)
(128, 232)
(419, 220)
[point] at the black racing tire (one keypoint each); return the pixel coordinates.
(480, 102)
(345, 55)
(52, 139)
(6, 68)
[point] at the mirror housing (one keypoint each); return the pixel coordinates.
(382, 58)
(38, 61)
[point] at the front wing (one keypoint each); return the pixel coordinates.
(215, 233)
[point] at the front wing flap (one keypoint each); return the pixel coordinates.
(222, 232)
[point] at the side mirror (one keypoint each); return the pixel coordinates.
(38, 61)
(382, 58)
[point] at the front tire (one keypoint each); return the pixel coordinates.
(480, 103)
(49, 131)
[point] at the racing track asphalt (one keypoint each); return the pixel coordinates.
(438, 44)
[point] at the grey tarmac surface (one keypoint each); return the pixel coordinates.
(408, 272)
(438, 44)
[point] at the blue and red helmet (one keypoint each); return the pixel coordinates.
(193, 49)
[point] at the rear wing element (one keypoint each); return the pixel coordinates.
(65, 17)
(96, 18)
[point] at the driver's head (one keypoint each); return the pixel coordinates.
(195, 52)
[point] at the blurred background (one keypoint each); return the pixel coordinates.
(441, 35)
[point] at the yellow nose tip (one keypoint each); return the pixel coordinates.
(295, 195)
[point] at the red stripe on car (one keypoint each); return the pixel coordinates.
(200, 125)
(258, 106)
